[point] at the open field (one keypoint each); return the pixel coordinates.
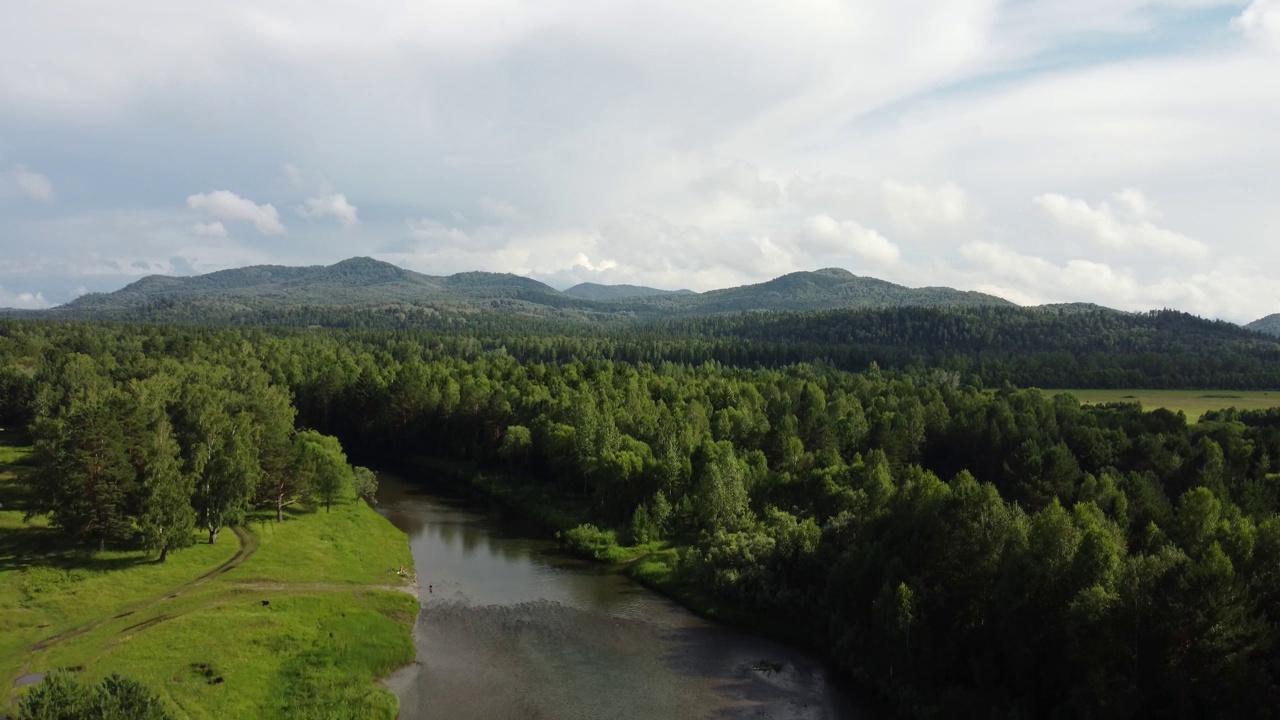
(1192, 402)
(196, 628)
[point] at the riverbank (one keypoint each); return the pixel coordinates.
(654, 565)
(297, 619)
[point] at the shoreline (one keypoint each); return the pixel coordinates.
(662, 580)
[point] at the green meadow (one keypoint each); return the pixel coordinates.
(1192, 402)
(298, 619)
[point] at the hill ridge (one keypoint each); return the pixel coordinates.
(1269, 324)
(365, 282)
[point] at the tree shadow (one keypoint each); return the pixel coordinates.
(32, 545)
(14, 495)
(773, 679)
(37, 546)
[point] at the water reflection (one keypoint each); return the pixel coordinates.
(516, 629)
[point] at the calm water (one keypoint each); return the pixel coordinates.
(514, 629)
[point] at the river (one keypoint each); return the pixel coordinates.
(513, 628)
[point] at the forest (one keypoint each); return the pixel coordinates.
(963, 547)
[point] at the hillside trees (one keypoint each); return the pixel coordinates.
(143, 452)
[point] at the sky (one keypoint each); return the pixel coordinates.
(1123, 152)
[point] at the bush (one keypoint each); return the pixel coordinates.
(592, 542)
(366, 484)
(60, 696)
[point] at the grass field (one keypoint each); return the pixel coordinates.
(196, 629)
(1192, 402)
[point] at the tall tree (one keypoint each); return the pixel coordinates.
(326, 463)
(85, 481)
(167, 520)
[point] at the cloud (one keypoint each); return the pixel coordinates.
(295, 176)
(334, 205)
(23, 300)
(741, 181)
(1127, 227)
(229, 206)
(655, 136)
(213, 229)
(434, 231)
(1260, 21)
(1233, 289)
(827, 236)
(32, 184)
(841, 195)
(918, 209)
(500, 209)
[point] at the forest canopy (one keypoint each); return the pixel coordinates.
(966, 551)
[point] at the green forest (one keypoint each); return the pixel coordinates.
(959, 546)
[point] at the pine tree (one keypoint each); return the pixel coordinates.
(167, 520)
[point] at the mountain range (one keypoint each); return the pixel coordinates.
(365, 282)
(362, 284)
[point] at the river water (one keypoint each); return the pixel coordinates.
(512, 628)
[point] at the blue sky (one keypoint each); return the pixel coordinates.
(1119, 151)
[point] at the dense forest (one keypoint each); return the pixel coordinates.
(965, 551)
(148, 452)
(1070, 346)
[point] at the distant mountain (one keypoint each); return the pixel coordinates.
(358, 281)
(266, 293)
(594, 291)
(1081, 307)
(1269, 324)
(835, 288)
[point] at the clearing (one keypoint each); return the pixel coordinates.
(297, 619)
(1192, 402)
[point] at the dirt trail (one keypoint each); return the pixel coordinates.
(248, 546)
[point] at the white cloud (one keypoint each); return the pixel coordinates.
(582, 261)
(32, 184)
(919, 209)
(213, 229)
(334, 205)
(824, 235)
(23, 300)
(657, 136)
(1234, 290)
(1129, 230)
(229, 206)
(1260, 21)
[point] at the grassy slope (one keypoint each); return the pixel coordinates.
(335, 623)
(1192, 402)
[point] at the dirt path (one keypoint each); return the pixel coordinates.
(410, 588)
(248, 546)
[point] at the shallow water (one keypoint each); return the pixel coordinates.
(513, 628)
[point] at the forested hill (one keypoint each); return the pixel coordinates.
(1051, 346)
(595, 291)
(1269, 324)
(264, 290)
(353, 282)
(833, 287)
